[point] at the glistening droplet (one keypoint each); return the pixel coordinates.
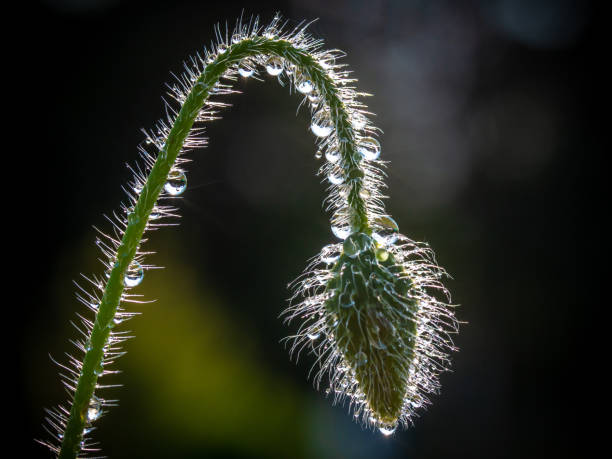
(358, 121)
(305, 86)
(320, 129)
(369, 148)
(321, 124)
(245, 71)
(176, 183)
(314, 98)
(387, 430)
(94, 410)
(134, 275)
(335, 177)
(341, 231)
(274, 66)
(386, 230)
(314, 335)
(332, 156)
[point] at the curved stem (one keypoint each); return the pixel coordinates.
(138, 219)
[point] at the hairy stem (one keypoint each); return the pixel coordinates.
(138, 218)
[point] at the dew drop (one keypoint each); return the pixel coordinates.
(387, 430)
(271, 33)
(341, 232)
(245, 71)
(332, 156)
(94, 410)
(318, 154)
(236, 38)
(155, 215)
(364, 193)
(335, 177)
(222, 48)
(361, 359)
(290, 69)
(314, 98)
(386, 230)
(305, 86)
(313, 336)
(359, 121)
(134, 275)
(369, 148)
(176, 183)
(274, 66)
(321, 128)
(329, 259)
(118, 320)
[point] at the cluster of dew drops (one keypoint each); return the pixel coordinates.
(175, 185)
(368, 148)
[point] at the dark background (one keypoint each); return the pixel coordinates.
(487, 110)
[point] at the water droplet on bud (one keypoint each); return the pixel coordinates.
(341, 232)
(335, 177)
(305, 86)
(245, 71)
(274, 66)
(387, 430)
(386, 230)
(369, 148)
(332, 156)
(313, 336)
(358, 121)
(321, 129)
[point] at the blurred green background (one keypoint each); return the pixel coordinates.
(484, 108)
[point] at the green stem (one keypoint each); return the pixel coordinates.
(138, 218)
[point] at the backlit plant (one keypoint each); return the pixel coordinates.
(371, 307)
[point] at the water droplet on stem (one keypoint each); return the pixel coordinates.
(176, 183)
(369, 148)
(134, 275)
